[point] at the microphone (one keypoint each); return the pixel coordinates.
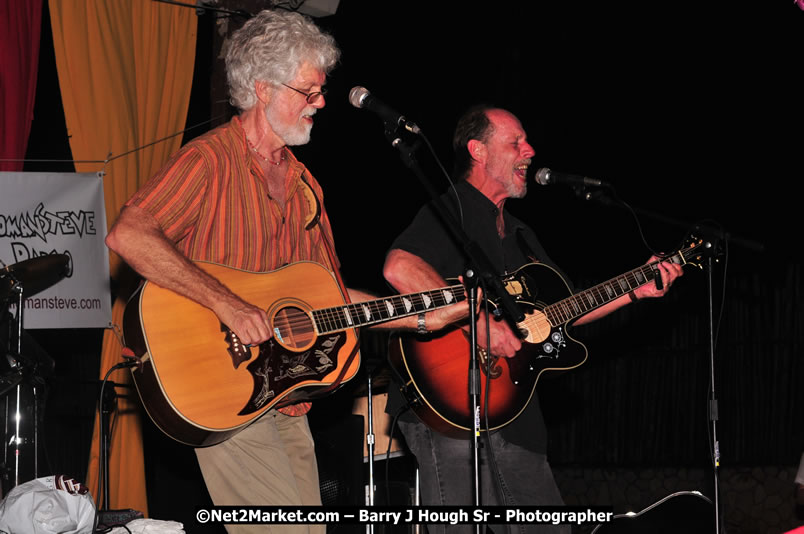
(360, 97)
(545, 176)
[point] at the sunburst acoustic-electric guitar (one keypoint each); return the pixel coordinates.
(434, 369)
(200, 385)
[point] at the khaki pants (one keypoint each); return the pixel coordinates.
(271, 462)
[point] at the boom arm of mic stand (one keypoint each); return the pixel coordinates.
(712, 233)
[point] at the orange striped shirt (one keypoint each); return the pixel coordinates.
(212, 200)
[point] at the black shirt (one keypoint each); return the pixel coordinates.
(428, 238)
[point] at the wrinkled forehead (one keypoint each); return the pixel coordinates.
(506, 124)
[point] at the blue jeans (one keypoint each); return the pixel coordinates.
(445, 471)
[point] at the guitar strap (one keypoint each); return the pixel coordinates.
(333, 261)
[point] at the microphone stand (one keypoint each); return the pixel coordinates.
(470, 282)
(481, 270)
(370, 443)
(715, 236)
(713, 416)
(108, 401)
(106, 405)
(25, 370)
(18, 289)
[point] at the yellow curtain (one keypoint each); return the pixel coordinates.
(125, 72)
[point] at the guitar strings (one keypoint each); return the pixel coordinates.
(553, 314)
(299, 323)
(603, 293)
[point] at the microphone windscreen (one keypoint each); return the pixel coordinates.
(542, 176)
(357, 96)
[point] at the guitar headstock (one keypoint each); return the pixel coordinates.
(696, 249)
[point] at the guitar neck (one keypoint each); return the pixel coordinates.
(370, 312)
(589, 299)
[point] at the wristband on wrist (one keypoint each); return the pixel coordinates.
(422, 326)
(633, 296)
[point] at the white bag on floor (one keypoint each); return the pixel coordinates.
(49, 505)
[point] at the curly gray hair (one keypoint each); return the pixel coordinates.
(271, 47)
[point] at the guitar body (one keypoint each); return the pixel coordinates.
(200, 385)
(434, 369)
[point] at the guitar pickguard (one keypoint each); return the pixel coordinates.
(537, 355)
(542, 343)
(277, 369)
(551, 348)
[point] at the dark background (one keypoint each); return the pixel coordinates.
(692, 110)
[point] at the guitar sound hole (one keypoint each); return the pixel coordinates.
(293, 328)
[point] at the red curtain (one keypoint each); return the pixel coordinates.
(20, 27)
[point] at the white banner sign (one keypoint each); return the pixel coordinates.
(55, 213)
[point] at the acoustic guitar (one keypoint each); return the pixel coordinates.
(201, 385)
(433, 369)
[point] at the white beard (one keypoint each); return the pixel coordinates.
(516, 190)
(293, 135)
(513, 188)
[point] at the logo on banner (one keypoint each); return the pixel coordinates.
(41, 223)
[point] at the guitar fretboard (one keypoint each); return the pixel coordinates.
(340, 318)
(594, 297)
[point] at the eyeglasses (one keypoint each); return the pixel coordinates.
(312, 98)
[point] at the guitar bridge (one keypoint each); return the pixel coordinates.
(237, 351)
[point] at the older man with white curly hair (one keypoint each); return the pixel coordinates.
(238, 197)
